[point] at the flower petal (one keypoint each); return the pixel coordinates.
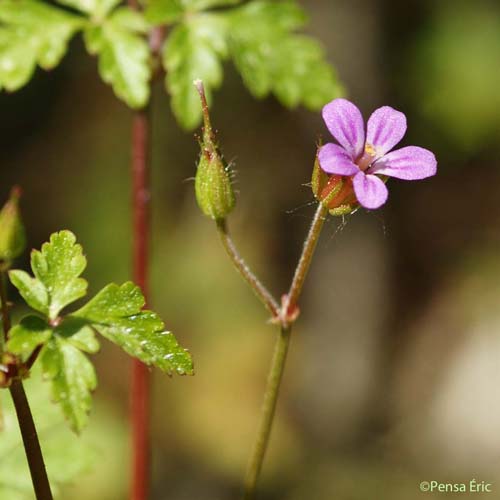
(371, 191)
(386, 127)
(345, 122)
(334, 159)
(410, 163)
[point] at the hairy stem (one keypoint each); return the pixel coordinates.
(25, 418)
(306, 257)
(267, 413)
(259, 289)
(279, 359)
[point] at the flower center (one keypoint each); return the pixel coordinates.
(367, 158)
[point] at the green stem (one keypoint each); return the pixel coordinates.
(24, 416)
(259, 289)
(307, 254)
(280, 353)
(267, 413)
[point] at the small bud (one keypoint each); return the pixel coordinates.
(12, 235)
(213, 189)
(334, 191)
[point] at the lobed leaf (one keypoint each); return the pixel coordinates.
(303, 75)
(78, 333)
(194, 50)
(123, 55)
(115, 312)
(164, 11)
(198, 5)
(57, 267)
(27, 335)
(97, 8)
(72, 377)
(170, 11)
(272, 58)
(31, 290)
(32, 33)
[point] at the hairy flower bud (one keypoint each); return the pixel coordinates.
(12, 235)
(319, 178)
(334, 191)
(213, 188)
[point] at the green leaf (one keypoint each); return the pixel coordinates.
(31, 290)
(130, 19)
(78, 333)
(116, 313)
(58, 267)
(194, 51)
(66, 456)
(197, 5)
(26, 336)
(73, 378)
(97, 8)
(164, 11)
(32, 33)
(123, 55)
(272, 58)
(170, 11)
(303, 75)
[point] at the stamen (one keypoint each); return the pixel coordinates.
(367, 158)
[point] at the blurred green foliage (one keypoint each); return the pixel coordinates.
(66, 456)
(455, 69)
(272, 59)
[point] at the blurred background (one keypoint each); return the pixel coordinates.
(394, 369)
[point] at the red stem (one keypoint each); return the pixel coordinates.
(140, 386)
(140, 398)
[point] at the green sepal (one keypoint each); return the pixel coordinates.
(343, 210)
(212, 184)
(319, 178)
(12, 233)
(213, 187)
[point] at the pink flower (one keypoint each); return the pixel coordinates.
(365, 158)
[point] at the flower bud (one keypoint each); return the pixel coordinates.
(213, 188)
(319, 178)
(12, 235)
(333, 191)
